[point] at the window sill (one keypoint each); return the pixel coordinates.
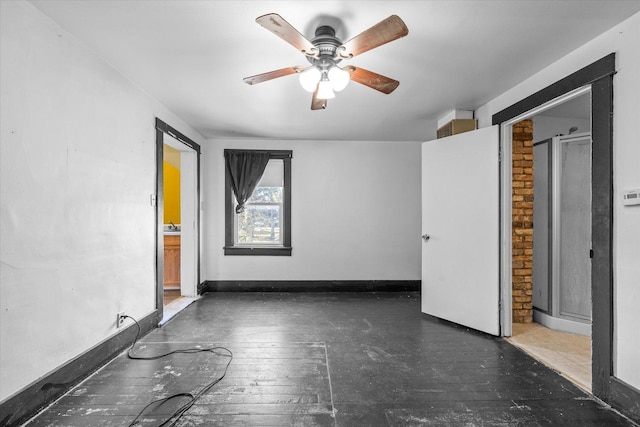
(257, 251)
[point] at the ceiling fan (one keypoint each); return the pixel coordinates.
(325, 51)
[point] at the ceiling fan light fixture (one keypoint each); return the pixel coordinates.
(309, 78)
(323, 78)
(339, 78)
(325, 91)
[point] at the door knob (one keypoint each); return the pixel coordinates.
(426, 237)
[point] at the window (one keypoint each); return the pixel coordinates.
(264, 226)
(261, 222)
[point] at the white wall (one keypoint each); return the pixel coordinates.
(77, 167)
(355, 213)
(624, 40)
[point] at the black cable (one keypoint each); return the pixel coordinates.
(177, 414)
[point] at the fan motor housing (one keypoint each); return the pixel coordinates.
(327, 43)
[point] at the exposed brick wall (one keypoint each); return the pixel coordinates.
(522, 221)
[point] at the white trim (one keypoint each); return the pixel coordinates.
(188, 219)
(506, 285)
(175, 307)
(562, 325)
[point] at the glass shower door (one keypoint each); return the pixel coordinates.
(572, 230)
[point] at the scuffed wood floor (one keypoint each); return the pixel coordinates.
(330, 359)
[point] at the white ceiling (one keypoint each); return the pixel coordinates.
(192, 56)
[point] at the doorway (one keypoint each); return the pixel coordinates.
(558, 330)
(598, 79)
(172, 223)
(551, 275)
(178, 220)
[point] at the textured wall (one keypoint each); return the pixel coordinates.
(77, 168)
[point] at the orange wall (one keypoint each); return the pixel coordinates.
(171, 194)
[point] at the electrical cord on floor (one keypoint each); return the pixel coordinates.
(177, 414)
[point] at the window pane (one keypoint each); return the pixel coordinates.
(266, 195)
(259, 224)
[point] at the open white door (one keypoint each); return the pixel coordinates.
(460, 227)
(189, 231)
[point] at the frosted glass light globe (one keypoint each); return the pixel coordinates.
(339, 78)
(325, 91)
(309, 78)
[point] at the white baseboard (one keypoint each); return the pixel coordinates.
(562, 325)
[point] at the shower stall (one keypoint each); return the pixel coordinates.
(562, 233)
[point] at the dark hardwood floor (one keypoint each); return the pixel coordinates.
(329, 359)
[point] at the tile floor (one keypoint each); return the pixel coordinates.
(568, 354)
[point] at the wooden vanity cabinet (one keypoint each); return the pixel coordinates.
(172, 262)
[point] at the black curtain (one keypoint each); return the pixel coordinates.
(245, 169)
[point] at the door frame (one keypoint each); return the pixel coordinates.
(163, 128)
(599, 77)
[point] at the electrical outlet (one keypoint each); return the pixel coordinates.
(120, 319)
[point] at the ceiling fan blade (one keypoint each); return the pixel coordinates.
(278, 26)
(259, 78)
(385, 31)
(317, 103)
(373, 80)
